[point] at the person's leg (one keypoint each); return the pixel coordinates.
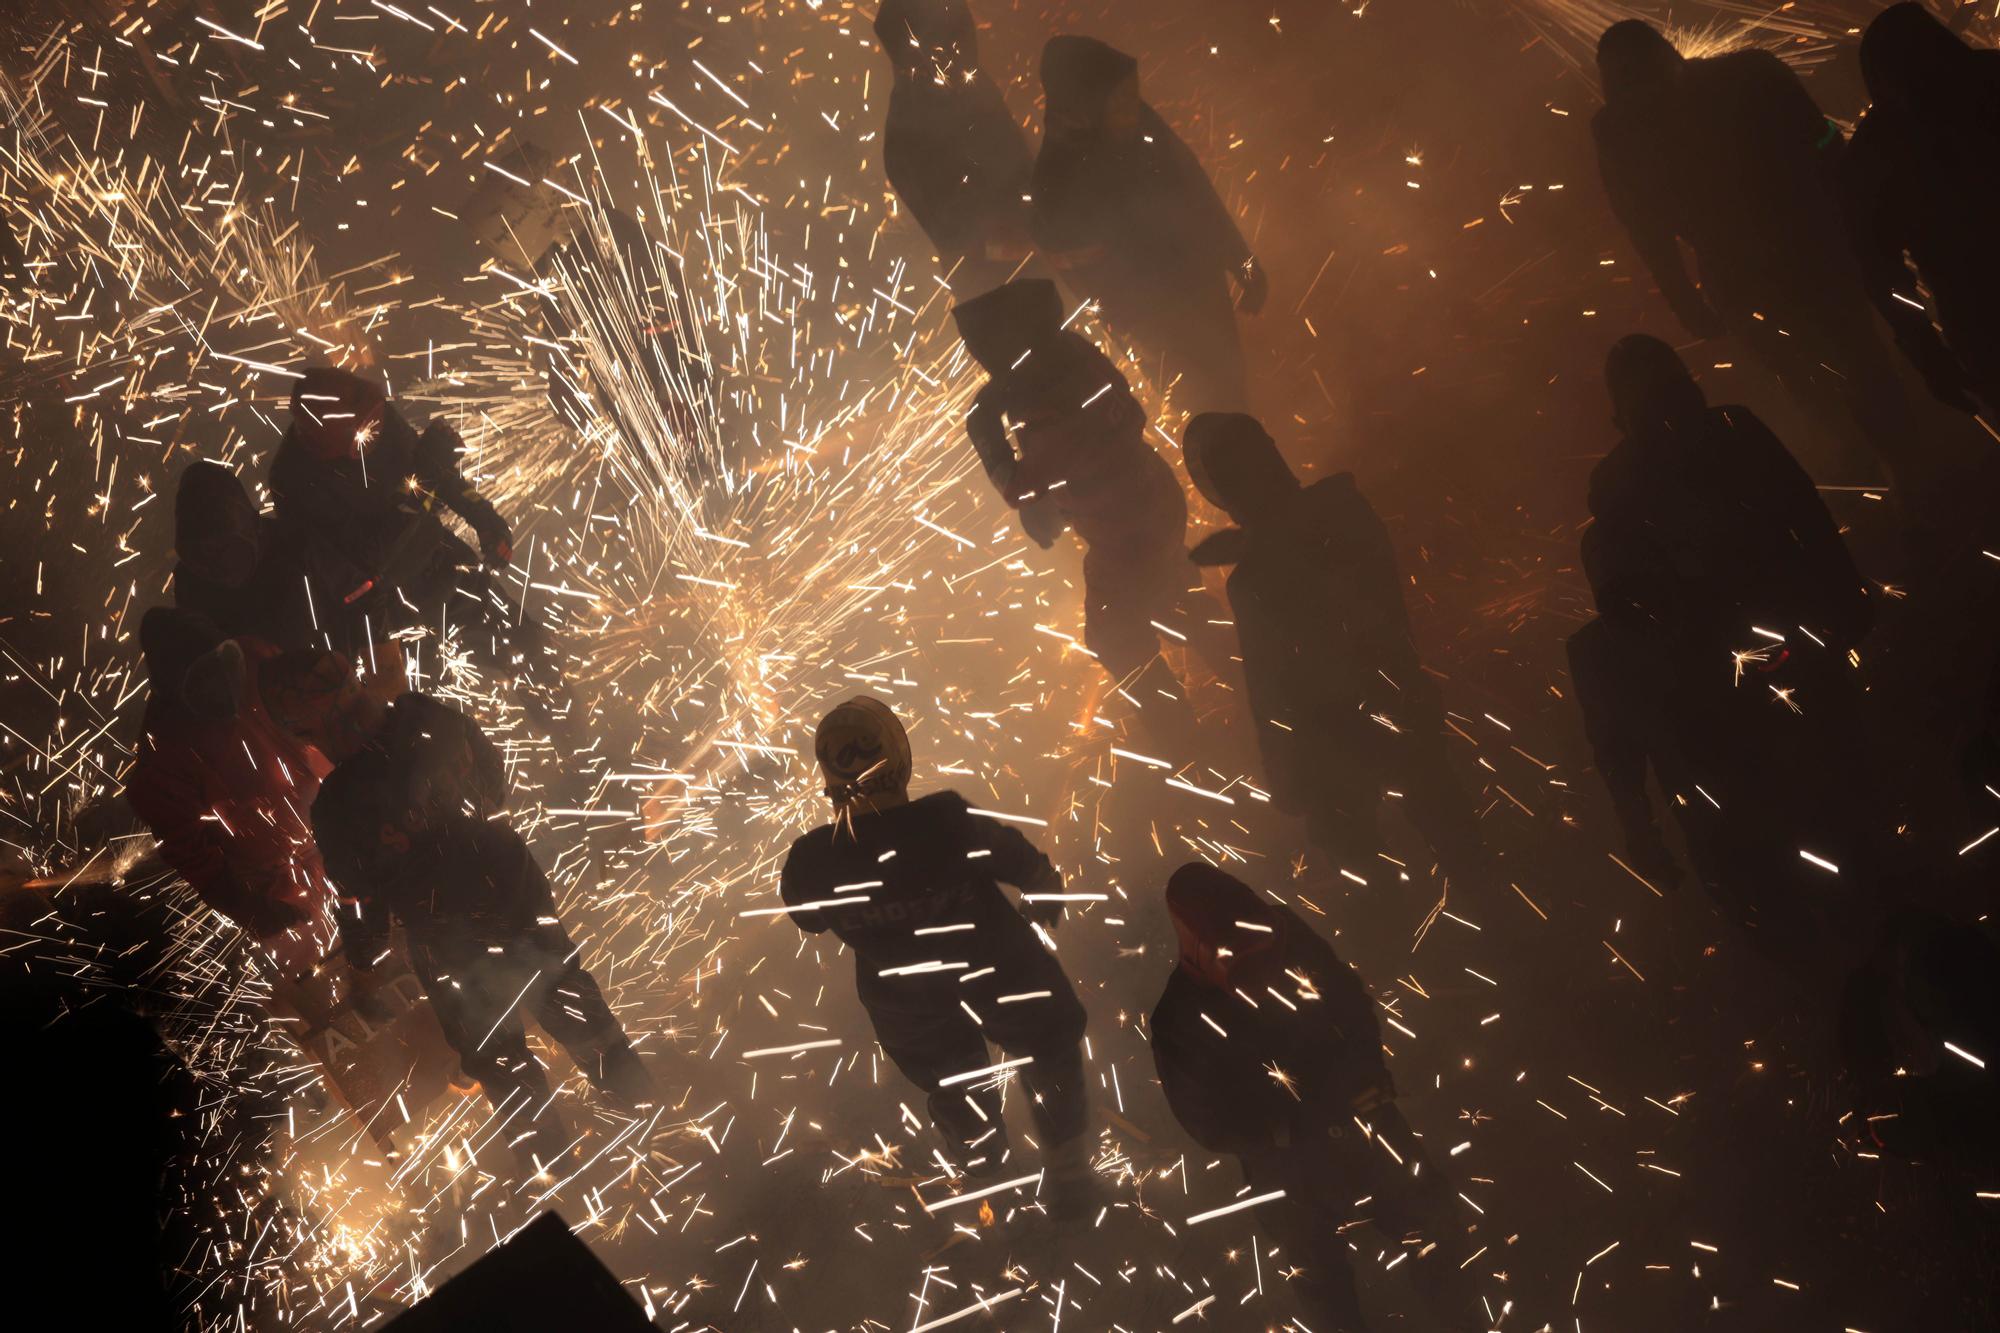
(1306, 1226)
(484, 1027)
(931, 1043)
(571, 1009)
(1414, 1204)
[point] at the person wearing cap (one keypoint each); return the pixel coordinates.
(1267, 1048)
(1729, 156)
(228, 793)
(1064, 442)
(943, 962)
(1127, 214)
(1922, 179)
(1345, 711)
(953, 153)
(411, 822)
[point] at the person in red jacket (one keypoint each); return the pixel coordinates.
(227, 793)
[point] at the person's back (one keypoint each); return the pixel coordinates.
(1317, 606)
(1736, 160)
(879, 880)
(1284, 1048)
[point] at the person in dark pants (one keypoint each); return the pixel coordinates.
(1267, 1048)
(1064, 442)
(954, 154)
(1730, 156)
(1344, 710)
(1128, 216)
(1923, 179)
(410, 822)
(943, 963)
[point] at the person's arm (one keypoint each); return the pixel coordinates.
(1617, 744)
(1837, 592)
(1217, 1100)
(1652, 236)
(986, 427)
(165, 790)
(1225, 243)
(436, 455)
(363, 918)
(1008, 856)
(797, 885)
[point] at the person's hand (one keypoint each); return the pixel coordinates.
(496, 539)
(1043, 522)
(1253, 286)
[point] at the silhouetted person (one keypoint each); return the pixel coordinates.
(1727, 605)
(1708, 496)
(1267, 1048)
(1124, 209)
(1923, 180)
(410, 823)
(1064, 442)
(943, 962)
(356, 484)
(1730, 156)
(234, 565)
(954, 154)
(1344, 710)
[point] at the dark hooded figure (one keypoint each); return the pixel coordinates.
(355, 485)
(233, 565)
(1267, 1048)
(1727, 605)
(412, 827)
(1344, 710)
(1125, 210)
(954, 154)
(1923, 180)
(943, 962)
(1730, 156)
(1064, 442)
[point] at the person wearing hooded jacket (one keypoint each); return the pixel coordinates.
(1730, 155)
(1064, 442)
(944, 964)
(1727, 605)
(1267, 1048)
(227, 792)
(1344, 710)
(1922, 179)
(1130, 219)
(953, 153)
(411, 822)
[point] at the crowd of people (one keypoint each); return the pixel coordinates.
(307, 793)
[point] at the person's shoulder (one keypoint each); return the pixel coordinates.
(943, 802)
(812, 844)
(1614, 476)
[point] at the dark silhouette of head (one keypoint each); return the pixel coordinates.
(1090, 89)
(1235, 464)
(1005, 324)
(215, 525)
(1652, 394)
(1908, 58)
(935, 41)
(1635, 59)
(1220, 920)
(335, 413)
